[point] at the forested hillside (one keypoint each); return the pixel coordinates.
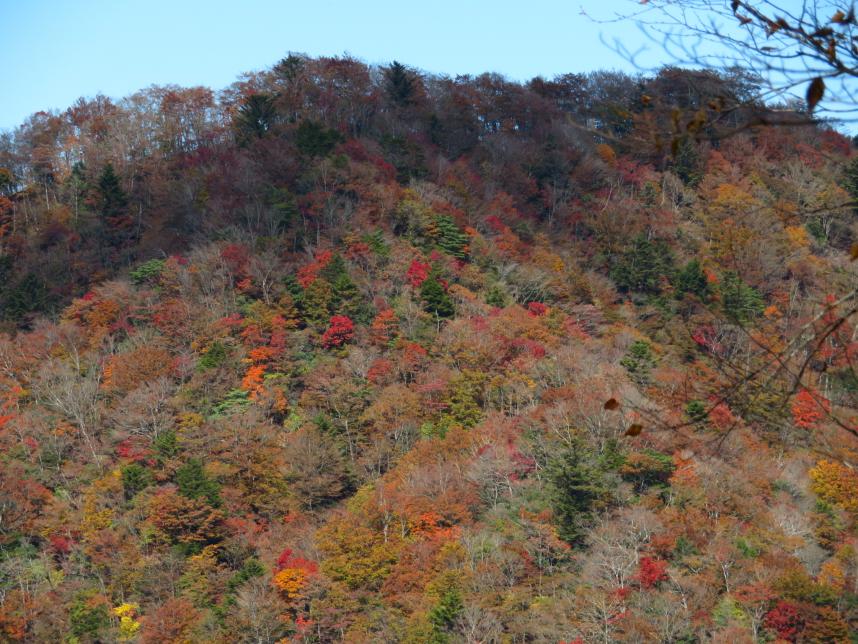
(361, 354)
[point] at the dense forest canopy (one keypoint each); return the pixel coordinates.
(359, 353)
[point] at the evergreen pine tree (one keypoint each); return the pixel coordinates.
(643, 267)
(27, 296)
(113, 198)
(115, 222)
(496, 296)
(376, 242)
(686, 162)
(290, 68)
(399, 84)
(315, 140)
(639, 361)
(87, 618)
(195, 484)
(334, 269)
(349, 300)
(740, 302)
(255, 117)
(346, 297)
(435, 298)
(578, 490)
(443, 615)
(692, 279)
(450, 239)
(284, 209)
(135, 478)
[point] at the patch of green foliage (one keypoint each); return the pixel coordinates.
(194, 483)
(147, 272)
(643, 268)
(639, 361)
(236, 400)
(740, 302)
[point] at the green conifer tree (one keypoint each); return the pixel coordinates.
(496, 296)
(450, 239)
(741, 302)
(643, 267)
(435, 298)
(443, 615)
(114, 201)
(115, 224)
(399, 84)
(578, 490)
(255, 117)
(194, 483)
(692, 279)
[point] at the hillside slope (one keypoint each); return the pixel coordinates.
(358, 354)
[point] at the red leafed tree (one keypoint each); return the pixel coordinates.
(537, 309)
(308, 274)
(785, 619)
(651, 572)
(287, 559)
(417, 273)
(235, 256)
(340, 331)
(379, 370)
(808, 409)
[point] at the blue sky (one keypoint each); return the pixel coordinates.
(57, 50)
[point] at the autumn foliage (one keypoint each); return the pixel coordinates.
(352, 353)
(651, 572)
(808, 409)
(340, 331)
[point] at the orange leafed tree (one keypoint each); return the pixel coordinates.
(384, 326)
(173, 622)
(809, 409)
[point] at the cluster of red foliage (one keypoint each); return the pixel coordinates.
(537, 309)
(785, 619)
(308, 274)
(418, 272)
(651, 572)
(809, 408)
(341, 329)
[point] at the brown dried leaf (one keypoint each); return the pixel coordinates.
(815, 92)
